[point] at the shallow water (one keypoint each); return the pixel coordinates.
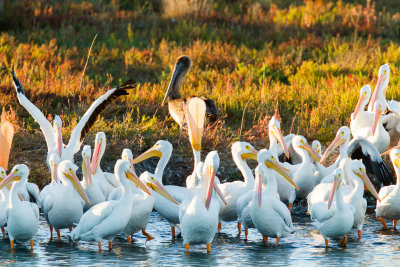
(305, 246)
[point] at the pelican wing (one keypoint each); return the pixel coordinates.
(361, 148)
(6, 137)
(35, 209)
(90, 116)
(33, 191)
(93, 217)
(37, 115)
(321, 213)
(385, 191)
(283, 212)
(394, 106)
(391, 123)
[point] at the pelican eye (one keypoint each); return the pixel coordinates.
(16, 170)
(248, 147)
(360, 169)
(342, 133)
(338, 175)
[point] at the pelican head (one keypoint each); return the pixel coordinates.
(365, 95)
(274, 130)
(379, 109)
(57, 126)
(359, 169)
(52, 162)
(124, 169)
(245, 150)
(316, 146)
(182, 67)
(301, 142)
(3, 175)
(159, 149)
(337, 179)
(381, 85)
(342, 136)
(66, 171)
(18, 173)
(127, 155)
(86, 154)
(211, 165)
(99, 148)
(267, 160)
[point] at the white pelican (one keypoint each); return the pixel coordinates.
(176, 104)
(22, 216)
(142, 202)
(96, 171)
(320, 168)
(381, 86)
(63, 203)
(234, 190)
(361, 118)
(53, 134)
(391, 122)
(269, 215)
(275, 137)
(388, 208)
(91, 187)
(199, 215)
(107, 219)
(334, 222)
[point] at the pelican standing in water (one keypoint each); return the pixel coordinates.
(142, 202)
(269, 215)
(199, 215)
(176, 104)
(107, 219)
(63, 203)
(388, 208)
(334, 222)
(22, 216)
(232, 191)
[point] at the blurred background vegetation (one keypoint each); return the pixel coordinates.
(304, 61)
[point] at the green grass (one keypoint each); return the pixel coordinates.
(306, 60)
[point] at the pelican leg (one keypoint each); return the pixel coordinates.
(12, 245)
(343, 243)
(4, 232)
(246, 232)
(99, 244)
(277, 241)
(382, 222)
(290, 208)
(187, 247)
(70, 229)
(149, 237)
(32, 245)
(173, 232)
(58, 236)
(359, 234)
(219, 227)
(394, 224)
(239, 226)
(110, 245)
(51, 232)
(208, 247)
(326, 242)
(265, 238)
(129, 240)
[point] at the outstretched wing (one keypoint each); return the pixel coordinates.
(90, 116)
(361, 148)
(44, 124)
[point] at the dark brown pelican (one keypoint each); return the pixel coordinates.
(176, 104)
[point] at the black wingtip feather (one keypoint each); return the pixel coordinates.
(120, 91)
(17, 83)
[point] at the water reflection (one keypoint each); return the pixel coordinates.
(305, 246)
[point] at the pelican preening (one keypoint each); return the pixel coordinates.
(176, 104)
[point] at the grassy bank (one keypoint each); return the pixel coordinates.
(304, 60)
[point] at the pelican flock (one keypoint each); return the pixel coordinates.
(103, 205)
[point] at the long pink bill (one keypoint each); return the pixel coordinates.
(282, 142)
(219, 192)
(212, 174)
(165, 193)
(95, 157)
(59, 141)
(10, 178)
(358, 106)
(332, 193)
(335, 143)
(259, 180)
(78, 187)
(377, 88)
(88, 171)
(377, 115)
(54, 177)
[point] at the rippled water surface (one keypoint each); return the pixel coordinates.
(305, 246)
